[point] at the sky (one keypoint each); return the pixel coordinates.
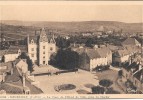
(51, 12)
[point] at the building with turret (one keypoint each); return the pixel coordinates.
(41, 47)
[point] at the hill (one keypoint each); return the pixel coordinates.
(70, 27)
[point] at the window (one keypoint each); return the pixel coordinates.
(44, 52)
(32, 49)
(32, 55)
(44, 57)
(32, 41)
(43, 47)
(43, 62)
(51, 48)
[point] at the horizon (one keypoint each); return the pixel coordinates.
(72, 13)
(1, 21)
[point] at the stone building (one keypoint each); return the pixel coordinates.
(41, 47)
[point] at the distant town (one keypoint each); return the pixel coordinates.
(43, 60)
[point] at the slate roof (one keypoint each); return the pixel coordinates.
(10, 90)
(130, 41)
(138, 74)
(134, 66)
(34, 38)
(50, 38)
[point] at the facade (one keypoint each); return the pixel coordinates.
(89, 59)
(40, 48)
(123, 55)
(4, 69)
(134, 73)
(13, 52)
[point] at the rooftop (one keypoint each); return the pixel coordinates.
(130, 41)
(134, 66)
(8, 64)
(138, 75)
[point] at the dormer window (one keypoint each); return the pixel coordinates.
(19, 51)
(32, 41)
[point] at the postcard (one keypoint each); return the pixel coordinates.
(71, 49)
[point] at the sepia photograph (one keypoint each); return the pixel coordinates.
(75, 48)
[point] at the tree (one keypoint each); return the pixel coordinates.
(89, 42)
(62, 43)
(29, 61)
(98, 90)
(66, 59)
(105, 83)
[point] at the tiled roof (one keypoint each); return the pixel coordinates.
(112, 47)
(122, 52)
(103, 52)
(92, 53)
(133, 49)
(14, 49)
(130, 41)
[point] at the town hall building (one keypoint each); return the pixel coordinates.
(41, 47)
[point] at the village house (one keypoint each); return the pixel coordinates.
(133, 71)
(5, 68)
(89, 58)
(41, 47)
(122, 55)
(13, 52)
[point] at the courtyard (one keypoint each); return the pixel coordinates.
(79, 79)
